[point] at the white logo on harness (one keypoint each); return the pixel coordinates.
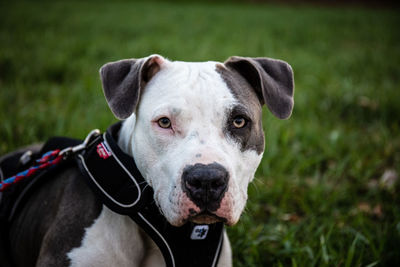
(103, 151)
(199, 232)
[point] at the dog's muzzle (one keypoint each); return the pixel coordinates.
(205, 185)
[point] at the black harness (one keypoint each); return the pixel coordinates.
(114, 178)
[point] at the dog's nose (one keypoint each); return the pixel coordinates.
(205, 184)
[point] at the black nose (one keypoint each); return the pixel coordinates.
(205, 184)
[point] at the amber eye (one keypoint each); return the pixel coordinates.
(164, 122)
(239, 122)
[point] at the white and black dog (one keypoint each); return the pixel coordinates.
(195, 132)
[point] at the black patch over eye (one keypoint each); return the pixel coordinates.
(245, 128)
(164, 122)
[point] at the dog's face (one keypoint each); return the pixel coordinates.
(195, 129)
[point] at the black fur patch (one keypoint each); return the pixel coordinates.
(251, 136)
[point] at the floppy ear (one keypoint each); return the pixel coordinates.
(271, 79)
(124, 80)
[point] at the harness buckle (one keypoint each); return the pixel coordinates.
(74, 149)
(26, 157)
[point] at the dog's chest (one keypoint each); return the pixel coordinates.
(115, 240)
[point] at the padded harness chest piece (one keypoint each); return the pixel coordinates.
(113, 175)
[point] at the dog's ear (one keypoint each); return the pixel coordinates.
(124, 80)
(271, 79)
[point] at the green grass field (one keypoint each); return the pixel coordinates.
(326, 192)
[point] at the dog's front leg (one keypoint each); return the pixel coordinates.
(113, 240)
(153, 256)
(225, 259)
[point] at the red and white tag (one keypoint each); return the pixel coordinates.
(103, 151)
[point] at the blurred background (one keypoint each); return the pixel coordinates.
(327, 190)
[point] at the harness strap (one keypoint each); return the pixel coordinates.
(188, 245)
(113, 175)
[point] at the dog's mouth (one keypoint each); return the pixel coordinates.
(206, 217)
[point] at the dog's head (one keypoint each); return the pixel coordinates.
(195, 129)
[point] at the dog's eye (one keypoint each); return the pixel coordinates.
(239, 122)
(164, 122)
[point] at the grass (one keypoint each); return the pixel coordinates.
(319, 198)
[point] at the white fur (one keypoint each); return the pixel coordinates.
(196, 100)
(113, 240)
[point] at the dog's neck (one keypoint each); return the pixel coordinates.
(125, 137)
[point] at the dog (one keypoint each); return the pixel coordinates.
(195, 132)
